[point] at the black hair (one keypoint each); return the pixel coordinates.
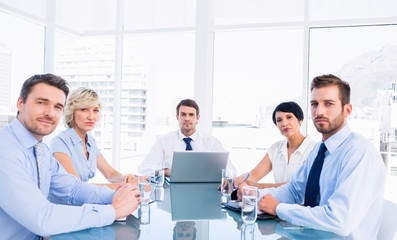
(290, 107)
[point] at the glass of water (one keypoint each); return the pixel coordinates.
(144, 187)
(249, 208)
(227, 182)
(159, 174)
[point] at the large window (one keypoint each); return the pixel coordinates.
(157, 74)
(253, 72)
(366, 58)
(89, 62)
(264, 52)
(21, 56)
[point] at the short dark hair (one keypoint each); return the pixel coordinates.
(290, 107)
(49, 79)
(332, 80)
(188, 103)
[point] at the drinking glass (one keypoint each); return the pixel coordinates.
(159, 174)
(227, 182)
(144, 187)
(249, 206)
(159, 193)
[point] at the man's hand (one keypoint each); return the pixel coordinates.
(167, 172)
(130, 178)
(125, 200)
(268, 204)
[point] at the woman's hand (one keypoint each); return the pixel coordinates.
(130, 178)
(243, 184)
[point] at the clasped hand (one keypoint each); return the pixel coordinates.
(126, 199)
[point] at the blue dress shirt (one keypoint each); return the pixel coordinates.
(351, 188)
(25, 211)
(70, 143)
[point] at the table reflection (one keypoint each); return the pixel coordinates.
(193, 211)
(130, 229)
(191, 201)
(184, 230)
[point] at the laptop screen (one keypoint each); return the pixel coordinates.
(195, 166)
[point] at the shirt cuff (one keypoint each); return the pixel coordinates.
(108, 195)
(265, 191)
(261, 194)
(107, 214)
(282, 211)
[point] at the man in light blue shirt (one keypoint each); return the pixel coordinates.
(25, 182)
(352, 178)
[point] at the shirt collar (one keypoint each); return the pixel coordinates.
(76, 138)
(304, 145)
(333, 142)
(193, 136)
(301, 149)
(284, 148)
(25, 137)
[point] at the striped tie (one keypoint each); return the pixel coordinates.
(38, 151)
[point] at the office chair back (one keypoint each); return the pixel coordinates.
(388, 227)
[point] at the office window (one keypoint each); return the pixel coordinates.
(21, 56)
(366, 58)
(89, 62)
(257, 11)
(158, 71)
(157, 14)
(254, 71)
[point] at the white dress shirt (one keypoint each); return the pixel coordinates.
(161, 153)
(278, 154)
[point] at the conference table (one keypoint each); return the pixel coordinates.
(193, 211)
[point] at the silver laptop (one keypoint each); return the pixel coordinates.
(194, 166)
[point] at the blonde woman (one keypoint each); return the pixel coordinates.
(75, 149)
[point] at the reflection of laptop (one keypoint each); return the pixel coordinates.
(194, 201)
(193, 166)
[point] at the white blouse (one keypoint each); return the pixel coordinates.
(278, 154)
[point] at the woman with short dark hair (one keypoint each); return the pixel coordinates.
(284, 157)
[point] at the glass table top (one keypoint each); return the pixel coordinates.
(193, 211)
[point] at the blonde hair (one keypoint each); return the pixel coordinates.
(79, 98)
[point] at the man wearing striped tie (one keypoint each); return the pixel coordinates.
(187, 138)
(340, 187)
(29, 172)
